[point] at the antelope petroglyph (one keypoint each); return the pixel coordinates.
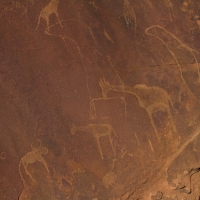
(98, 130)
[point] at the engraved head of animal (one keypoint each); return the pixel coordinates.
(105, 87)
(41, 150)
(140, 87)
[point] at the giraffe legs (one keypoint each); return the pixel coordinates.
(171, 120)
(149, 111)
(111, 143)
(44, 163)
(27, 172)
(99, 147)
(56, 13)
(38, 23)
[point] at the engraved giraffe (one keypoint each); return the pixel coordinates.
(49, 9)
(151, 99)
(98, 130)
(30, 158)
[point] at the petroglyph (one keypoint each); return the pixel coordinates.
(98, 130)
(192, 16)
(66, 38)
(80, 23)
(108, 36)
(47, 11)
(92, 102)
(30, 158)
(129, 15)
(112, 66)
(109, 179)
(19, 5)
(93, 5)
(169, 5)
(3, 155)
(185, 5)
(151, 146)
(93, 107)
(138, 142)
(170, 51)
(152, 99)
(124, 152)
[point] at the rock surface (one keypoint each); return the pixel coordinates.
(99, 99)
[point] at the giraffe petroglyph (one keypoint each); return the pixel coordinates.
(151, 99)
(98, 130)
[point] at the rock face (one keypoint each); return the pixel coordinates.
(99, 99)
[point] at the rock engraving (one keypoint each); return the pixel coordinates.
(98, 130)
(151, 99)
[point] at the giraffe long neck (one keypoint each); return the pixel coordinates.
(125, 89)
(122, 88)
(82, 128)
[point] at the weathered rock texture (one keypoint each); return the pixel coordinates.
(99, 99)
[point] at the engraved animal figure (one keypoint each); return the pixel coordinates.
(49, 9)
(93, 100)
(170, 50)
(30, 158)
(93, 107)
(98, 130)
(150, 98)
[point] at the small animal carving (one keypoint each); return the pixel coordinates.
(49, 9)
(98, 130)
(30, 158)
(150, 98)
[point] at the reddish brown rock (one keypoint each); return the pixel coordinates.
(99, 99)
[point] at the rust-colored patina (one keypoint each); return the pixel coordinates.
(99, 99)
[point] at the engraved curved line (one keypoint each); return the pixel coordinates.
(93, 108)
(49, 9)
(108, 57)
(180, 42)
(82, 23)
(30, 158)
(63, 37)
